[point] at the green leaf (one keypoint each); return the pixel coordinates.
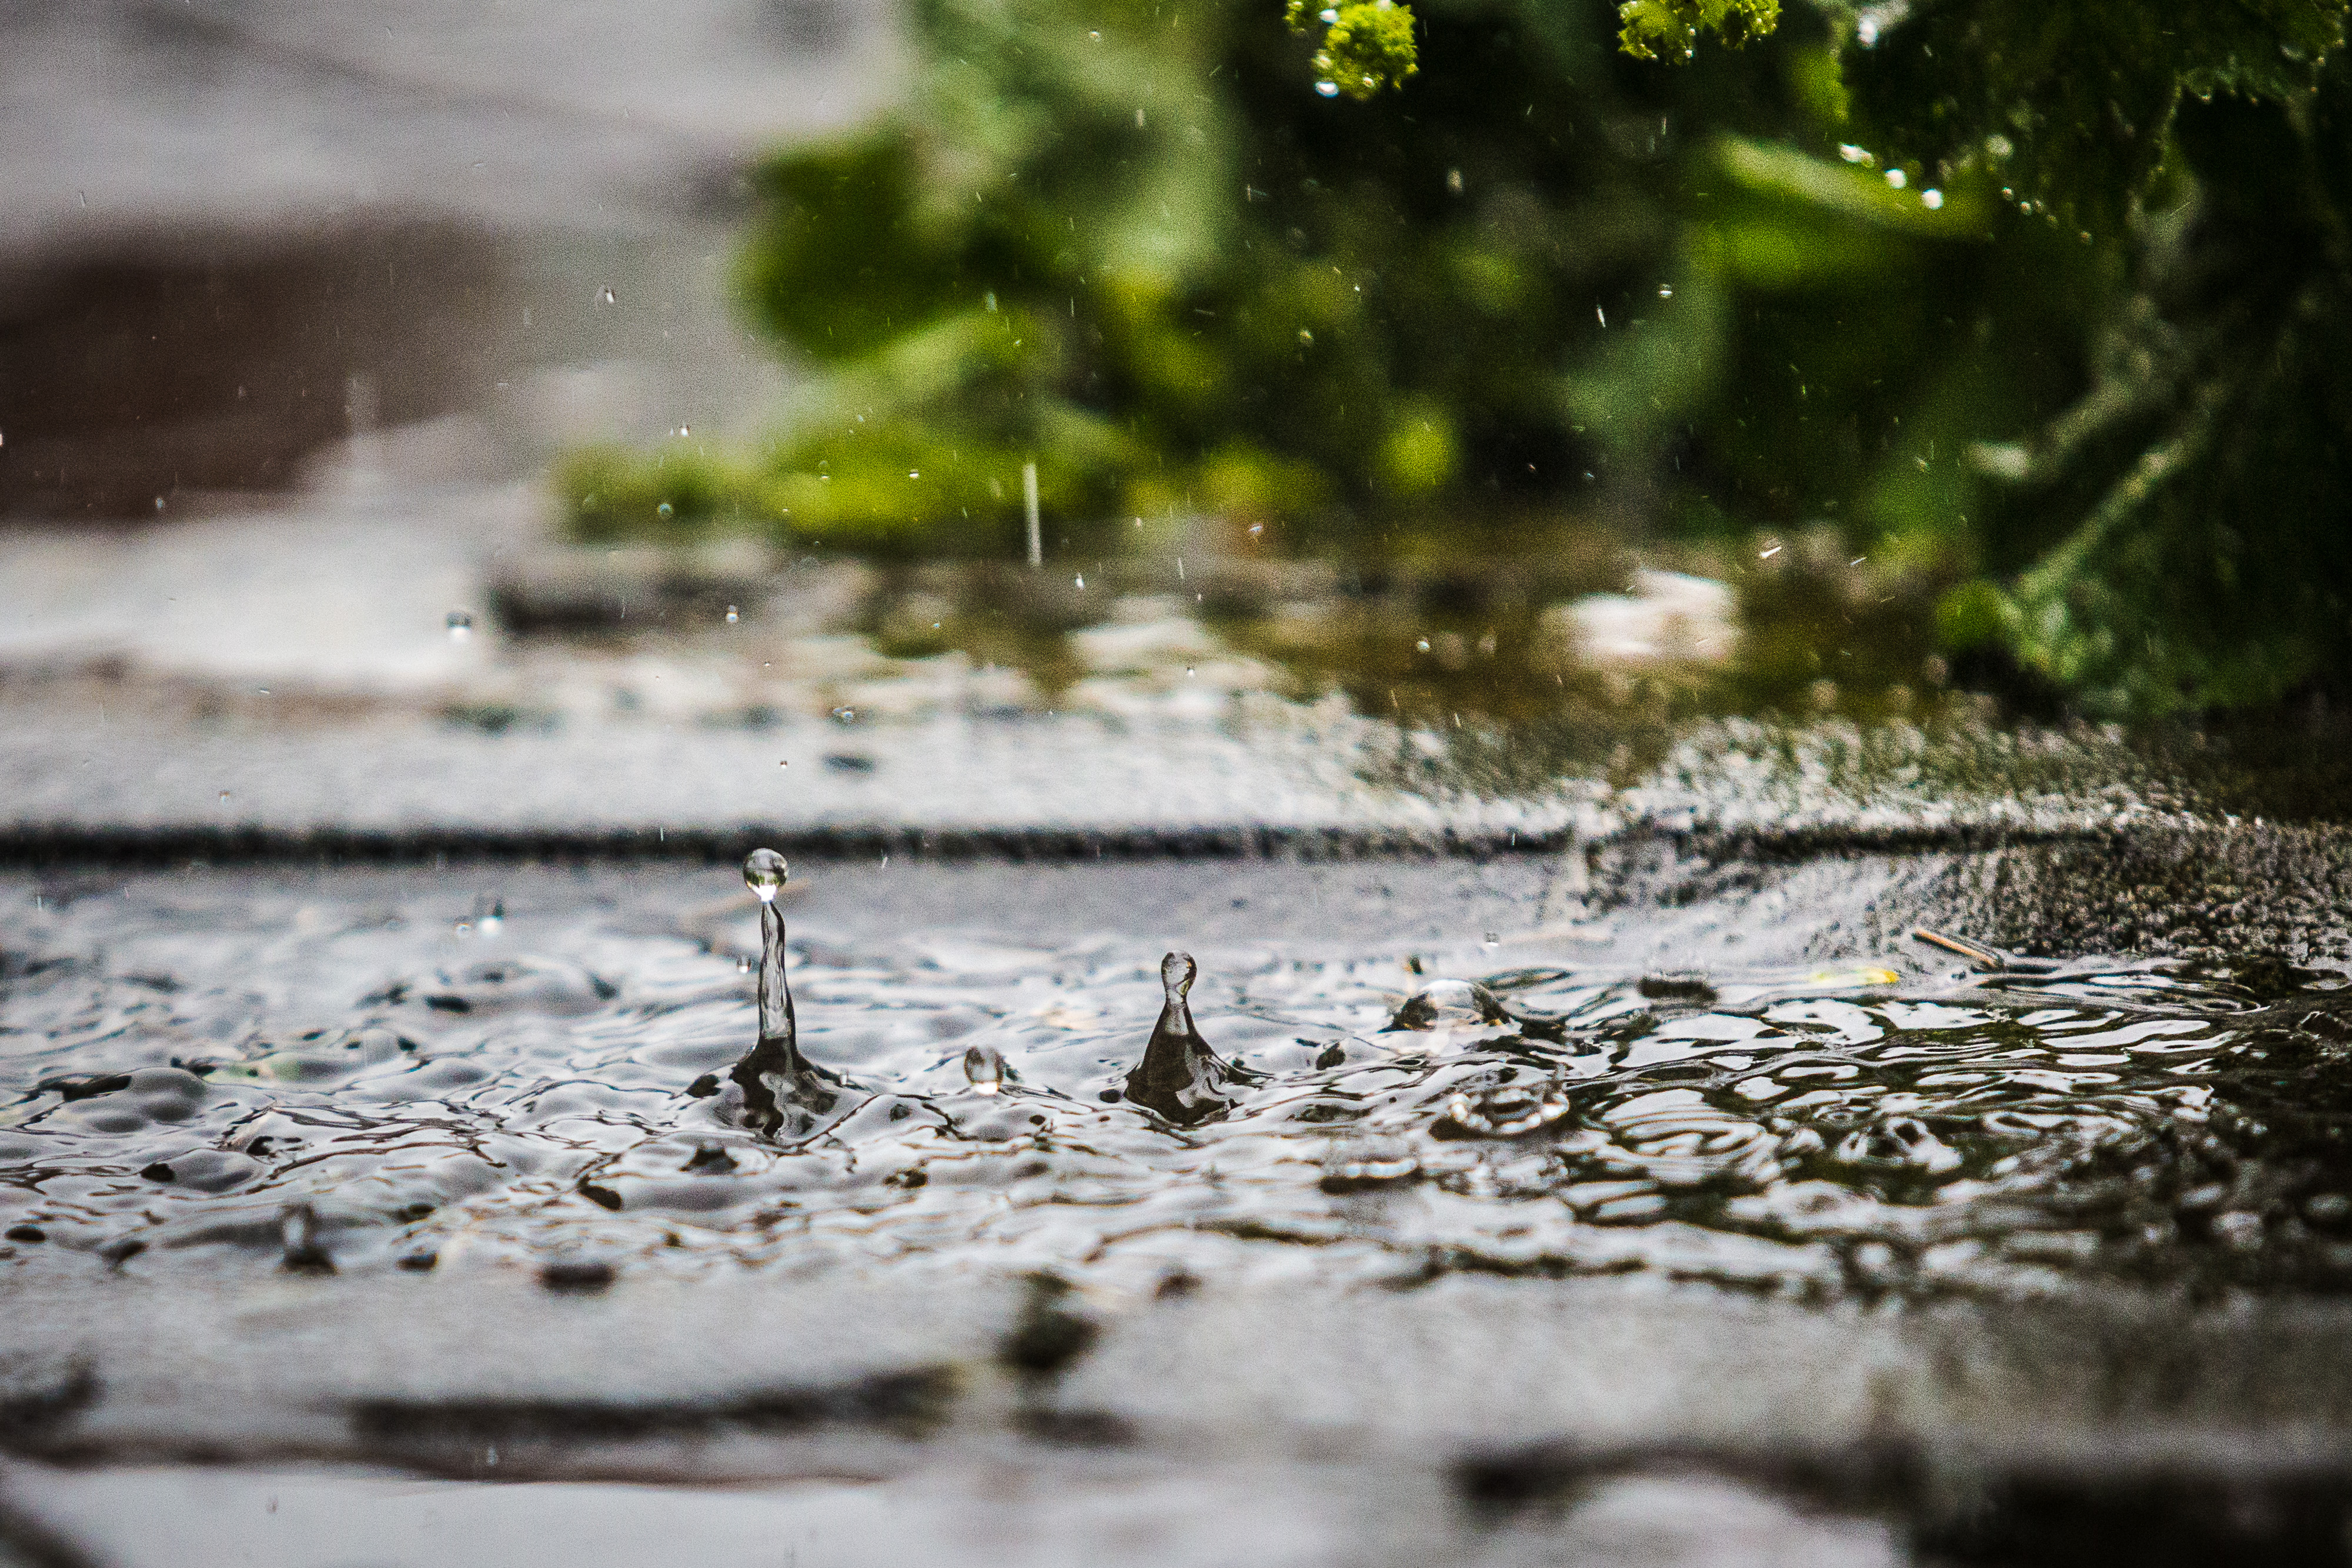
(1671, 30)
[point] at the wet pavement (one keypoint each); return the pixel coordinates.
(1801, 1241)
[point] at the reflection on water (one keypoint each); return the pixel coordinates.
(324, 1079)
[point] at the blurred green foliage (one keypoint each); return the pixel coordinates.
(2048, 303)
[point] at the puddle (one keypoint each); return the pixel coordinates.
(371, 1071)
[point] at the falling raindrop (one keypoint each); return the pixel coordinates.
(845, 715)
(1327, 89)
(1421, 644)
(1666, 291)
(460, 625)
(1931, 199)
(1081, 580)
(732, 617)
(665, 510)
(1305, 341)
(1895, 178)
(684, 431)
(608, 296)
(983, 1067)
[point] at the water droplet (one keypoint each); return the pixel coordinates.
(1188, 669)
(1454, 180)
(1508, 1111)
(1093, 37)
(663, 511)
(1327, 89)
(1768, 554)
(303, 1250)
(1896, 178)
(1305, 341)
(1446, 1003)
(845, 715)
(461, 626)
(1931, 199)
(1491, 940)
(913, 473)
(731, 616)
(684, 431)
(764, 873)
(783, 765)
(159, 503)
(1666, 291)
(608, 296)
(1080, 580)
(1421, 644)
(983, 1067)
(225, 797)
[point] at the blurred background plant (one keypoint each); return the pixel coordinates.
(2043, 312)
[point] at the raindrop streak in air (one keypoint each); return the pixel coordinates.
(607, 298)
(461, 626)
(784, 1094)
(1180, 1077)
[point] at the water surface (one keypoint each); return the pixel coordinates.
(505, 1068)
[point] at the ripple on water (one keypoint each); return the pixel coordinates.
(327, 1082)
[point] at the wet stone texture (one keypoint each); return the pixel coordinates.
(1646, 1084)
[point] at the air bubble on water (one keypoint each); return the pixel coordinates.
(731, 616)
(984, 1068)
(764, 873)
(460, 625)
